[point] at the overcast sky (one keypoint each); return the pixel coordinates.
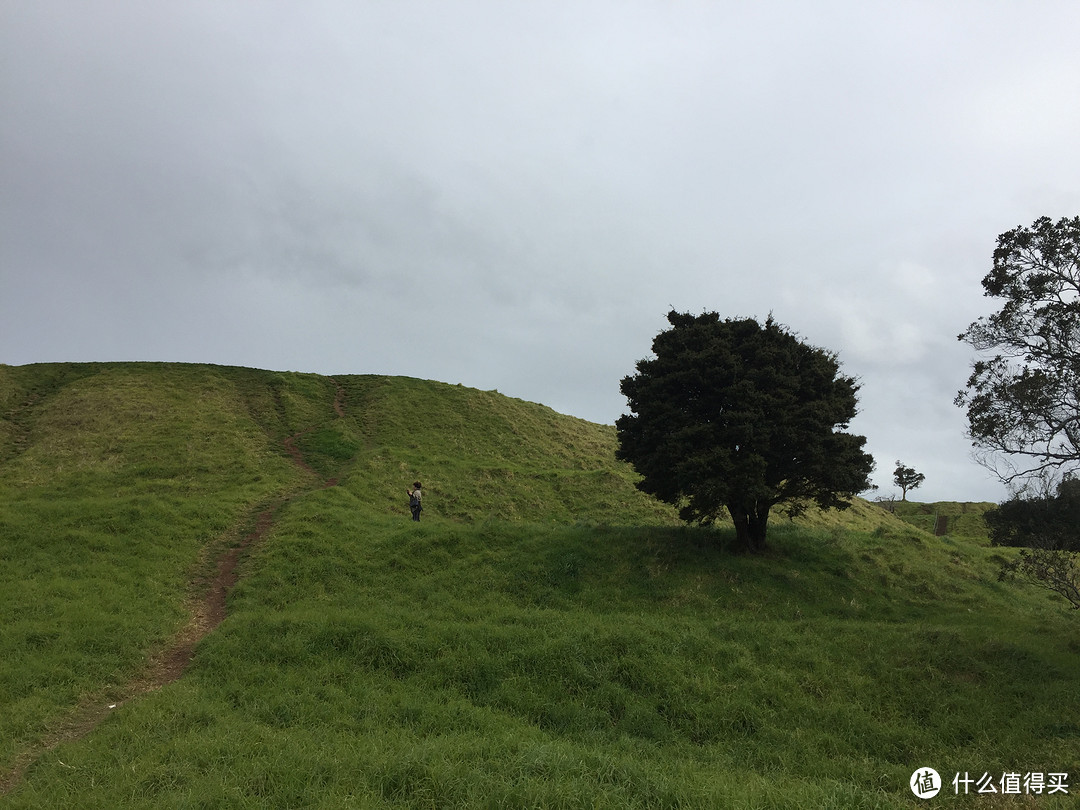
(512, 195)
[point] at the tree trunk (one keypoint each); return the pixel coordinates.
(750, 526)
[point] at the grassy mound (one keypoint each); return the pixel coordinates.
(958, 519)
(546, 637)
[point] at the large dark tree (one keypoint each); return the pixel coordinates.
(730, 414)
(1047, 521)
(1023, 397)
(1047, 527)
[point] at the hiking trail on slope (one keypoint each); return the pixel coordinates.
(207, 611)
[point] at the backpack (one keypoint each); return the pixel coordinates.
(414, 501)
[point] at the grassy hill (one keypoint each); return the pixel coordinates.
(546, 637)
(957, 519)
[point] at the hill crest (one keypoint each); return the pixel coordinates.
(480, 454)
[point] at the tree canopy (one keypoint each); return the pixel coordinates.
(1047, 522)
(1047, 527)
(907, 478)
(1023, 399)
(731, 414)
(1023, 396)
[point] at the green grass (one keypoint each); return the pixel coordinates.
(546, 637)
(964, 520)
(116, 481)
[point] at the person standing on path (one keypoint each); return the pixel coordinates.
(415, 497)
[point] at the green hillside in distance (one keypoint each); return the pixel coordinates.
(547, 636)
(952, 518)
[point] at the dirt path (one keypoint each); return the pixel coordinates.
(207, 612)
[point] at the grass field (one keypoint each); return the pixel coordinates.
(547, 636)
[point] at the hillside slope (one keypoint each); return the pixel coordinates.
(192, 428)
(479, 454)
(122, 484)
(955, 519)
(547, 636)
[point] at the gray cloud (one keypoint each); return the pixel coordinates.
(512, 195)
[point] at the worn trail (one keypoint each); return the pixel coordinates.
(206, 612)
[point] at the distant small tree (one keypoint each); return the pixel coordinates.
(735, 415)
(906, 478)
